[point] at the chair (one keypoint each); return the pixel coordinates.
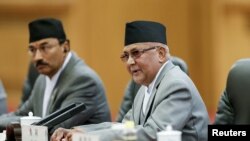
(132, 89)
(181, 63)
(234, 104)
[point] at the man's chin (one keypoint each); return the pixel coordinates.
(42, 71)
(137, 80)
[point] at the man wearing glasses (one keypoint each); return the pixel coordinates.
(167, 95)
(64, 79)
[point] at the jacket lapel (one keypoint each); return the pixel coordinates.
(149, 107)
(137, 107)
(40, 92)
(51, 101)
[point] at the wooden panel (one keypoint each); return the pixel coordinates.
(33, 6)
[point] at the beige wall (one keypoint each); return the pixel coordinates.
(201, 32)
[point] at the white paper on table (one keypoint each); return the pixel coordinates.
(34, 133)
(84, 137)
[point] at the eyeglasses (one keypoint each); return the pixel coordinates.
(44, 48)
(135, 53)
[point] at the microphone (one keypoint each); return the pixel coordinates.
(61, 115)
(55, 114)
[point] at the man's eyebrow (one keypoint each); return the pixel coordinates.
(30, 46)
(44, 43)
(133, 49)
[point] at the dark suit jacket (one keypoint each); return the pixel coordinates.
(29, 83)
(3, 103)
(175, 101)
(128, 99)
(76, 83)
(234, 105)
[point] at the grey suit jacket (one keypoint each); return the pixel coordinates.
(175, 101)
(133, 88)
(76, 83)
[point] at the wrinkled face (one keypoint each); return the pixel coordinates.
(48, 55)
(143, 61)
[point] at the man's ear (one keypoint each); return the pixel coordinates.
(162, 53)
(66, 47)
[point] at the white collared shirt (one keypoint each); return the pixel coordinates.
(50, 84)
(149, 89)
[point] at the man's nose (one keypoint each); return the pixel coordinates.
(130, 60)
(37, 55)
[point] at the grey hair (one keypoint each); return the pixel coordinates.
(160, 45)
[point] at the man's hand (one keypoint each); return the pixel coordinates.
(62, 134)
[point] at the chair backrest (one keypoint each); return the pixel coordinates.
(181, 63)
(238, 90)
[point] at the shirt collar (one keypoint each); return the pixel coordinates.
(151, 85)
